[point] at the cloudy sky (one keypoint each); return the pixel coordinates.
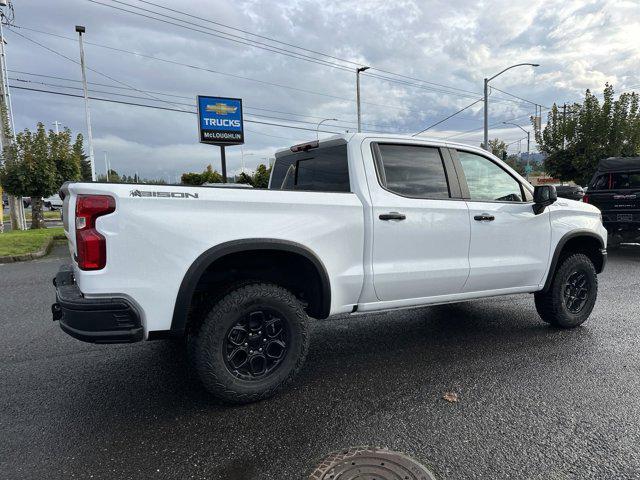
(428, 60)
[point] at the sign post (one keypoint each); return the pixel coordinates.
(220, 123)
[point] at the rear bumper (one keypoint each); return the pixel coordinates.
(94, 320)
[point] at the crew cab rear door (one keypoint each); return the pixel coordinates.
(509, 243)
(420, 224)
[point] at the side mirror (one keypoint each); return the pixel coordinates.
(543, 196)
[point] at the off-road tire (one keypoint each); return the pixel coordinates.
(208, 346)
(552, 304)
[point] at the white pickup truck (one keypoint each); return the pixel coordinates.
(352, 224)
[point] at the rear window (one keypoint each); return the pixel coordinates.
(320, 170)
(616, 181)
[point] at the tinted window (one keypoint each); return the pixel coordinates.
(412, 171)
(487, 181)
(323, 169)
(601, 182)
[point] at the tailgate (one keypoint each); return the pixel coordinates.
(613, 201)
(617, 195)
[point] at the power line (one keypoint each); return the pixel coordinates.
(262, 45)
(78, 63)
(273, 124)
(219, 34)
(246, 107)
(447, 118)
(244, 41)
(185, 104)
(516, 96)
(217, 72)
(357, 64)
(480, 128)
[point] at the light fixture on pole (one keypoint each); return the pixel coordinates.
(80, 29)
(320, 123)
(528, 144)
(486, 99)
(359, 70)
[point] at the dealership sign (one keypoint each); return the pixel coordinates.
(220, 120)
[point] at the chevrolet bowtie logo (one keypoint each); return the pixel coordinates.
(221, 108)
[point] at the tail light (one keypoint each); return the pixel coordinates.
(585, 199)
(91, 246)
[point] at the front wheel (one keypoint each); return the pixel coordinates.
(572, 295)
(251, 343)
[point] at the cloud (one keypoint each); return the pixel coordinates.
(579, 44)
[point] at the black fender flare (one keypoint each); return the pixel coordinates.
(198, 267)
(560, 246)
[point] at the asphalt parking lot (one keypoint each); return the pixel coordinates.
(535, 402)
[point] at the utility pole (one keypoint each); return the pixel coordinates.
(80, 29)
(564, 126)
(16, 207)
(106, 165)
(56, 125)
(358, 72)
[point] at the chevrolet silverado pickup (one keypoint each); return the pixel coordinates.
(352, 224)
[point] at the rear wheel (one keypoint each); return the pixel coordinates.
(572, 295)
(251, 343)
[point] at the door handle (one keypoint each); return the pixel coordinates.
(485, 217)
(392, 216)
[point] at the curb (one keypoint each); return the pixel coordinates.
(34, 255)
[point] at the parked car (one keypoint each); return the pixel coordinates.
(54, 202)
(5, 199)
(26, 202)
(354, 224)
(615, 190)
(572, 192)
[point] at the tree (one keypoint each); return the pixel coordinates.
(82, 159)
(66, 161)
(36, 165)
(30, 170)
(576, 137)
(208, 176)
(261, 176)
(497, 147)
(244, 178)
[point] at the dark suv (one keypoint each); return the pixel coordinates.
(615, 190)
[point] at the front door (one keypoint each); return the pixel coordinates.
(509, 242)
(420, 233)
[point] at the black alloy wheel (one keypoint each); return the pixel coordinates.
(572, 294)
(251, 343)
(256, 344)
(576, 291)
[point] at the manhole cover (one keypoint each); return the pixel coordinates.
(370, 463)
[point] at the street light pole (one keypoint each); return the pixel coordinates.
(320, 123)
(528, 144)
(486, 115)
(80, 29)
(486, 99)
(358, 72)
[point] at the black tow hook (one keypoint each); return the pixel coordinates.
(56, 311)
